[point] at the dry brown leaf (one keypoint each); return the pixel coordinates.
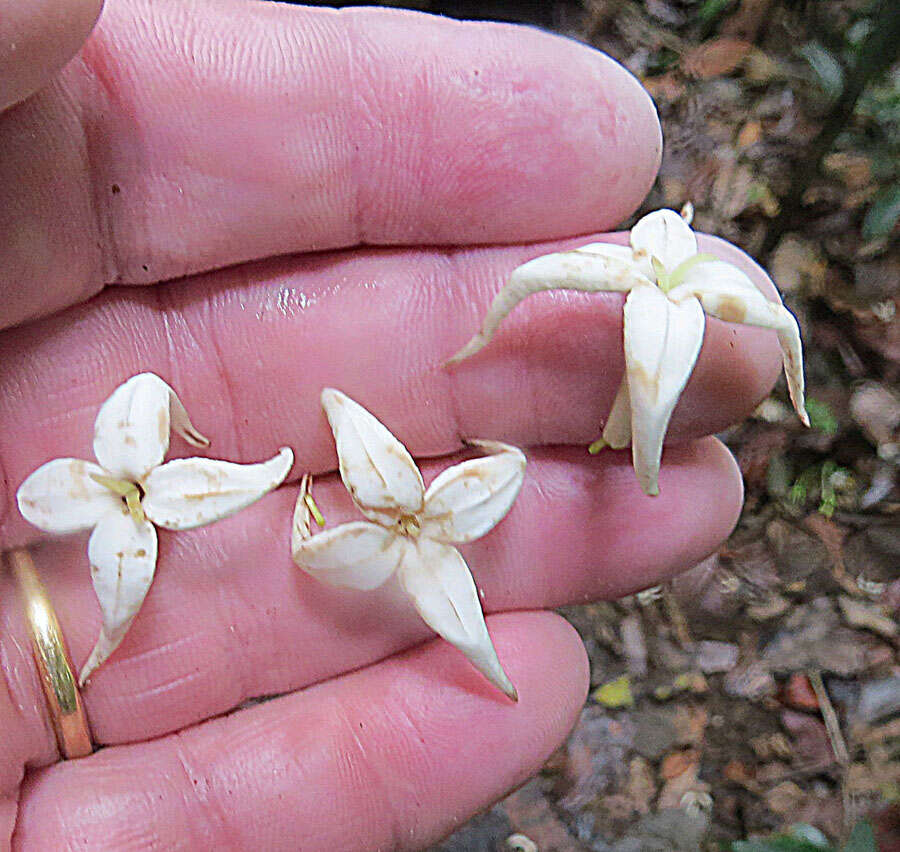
(677, 762)
(665, 87)
(749, 135)
(716, 57)
(747, 20)
(852, 169)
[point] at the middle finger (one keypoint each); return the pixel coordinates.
(249, 349)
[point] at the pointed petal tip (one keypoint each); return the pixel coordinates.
(331, 396)
(476, 344)
(286, 454)
(650, 487)
(195, 438)
(98, 656)
(496, 674)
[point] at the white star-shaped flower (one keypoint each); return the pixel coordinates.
(670, 286)
(130, 490)
(412, 530)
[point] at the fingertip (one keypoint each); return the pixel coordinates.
(730, 497)
(715, 491)
(37, 38)
(531, 135)
(547, 661)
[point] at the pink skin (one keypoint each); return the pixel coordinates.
(237, 131)
(244, 131)
(383, 758)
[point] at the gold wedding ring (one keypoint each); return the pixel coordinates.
(52, 657)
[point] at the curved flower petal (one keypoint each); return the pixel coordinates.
(377, 469)
(469, 499)
(662, 342)
(664, 235)
(188, 493)
(724, 293)
(639, 260)
(438, 580)
(358, 555)
(131, 432)
(61, 497)
(584, 269)
(713, 275)
(617, 432)
(122, 553)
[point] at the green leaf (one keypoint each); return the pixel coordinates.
(883, 213)
(826, 66)
(615, 693)
(821, 417)
(862, 838)
(712, 9)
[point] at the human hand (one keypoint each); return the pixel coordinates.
(278, 142)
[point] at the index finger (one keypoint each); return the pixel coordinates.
(190, 137)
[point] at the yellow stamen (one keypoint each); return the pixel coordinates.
(409, 525)
(662, 277)
(318, 517)
(598, 445)
(125, 489)
(135, 509)
(677, 277)
(117, 486)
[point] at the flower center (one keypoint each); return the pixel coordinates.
(669, 280)
(130, 492)
(409, 525)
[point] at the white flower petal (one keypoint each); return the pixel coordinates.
(438, 580)
(582, 269)
(662, 342)
(664, 235)
(131, 432)
(358, 555)
(61, 497)
(122, 554)
(617, 432)
(188, 493)
(377, 469)
(469, 499)
(724, 293)
(713, 275)
(638, 260)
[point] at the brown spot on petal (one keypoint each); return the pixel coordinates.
(79, 490)
(639, 375)
(140, 553)
(731, 310)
